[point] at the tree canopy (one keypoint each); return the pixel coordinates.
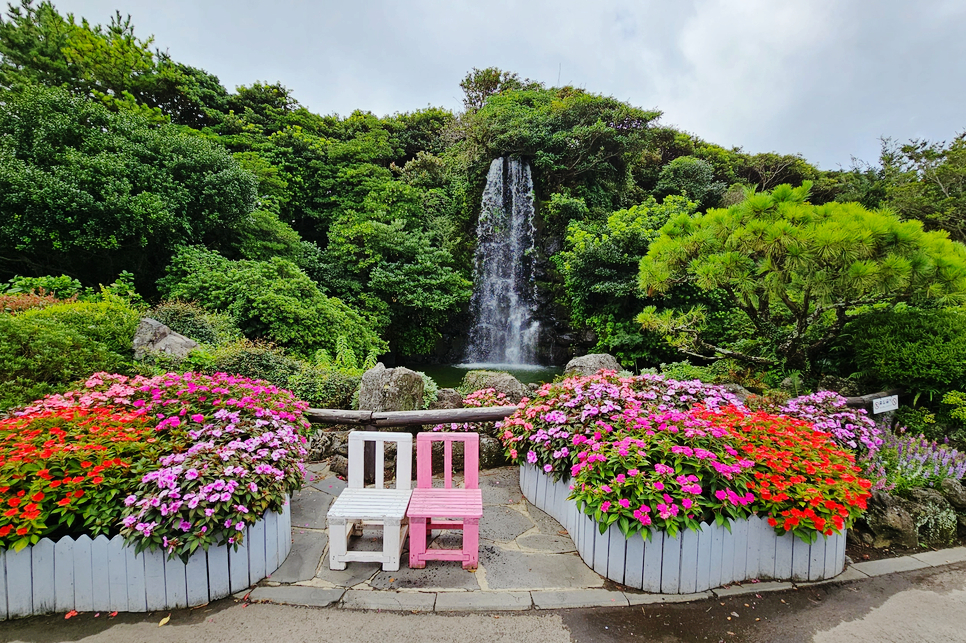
(796, 270)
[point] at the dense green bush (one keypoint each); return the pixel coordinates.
(191, 320)
(89, 192)
(323, 387)
(272, 300)
(40, 355)
(110, 323)
(921, 351)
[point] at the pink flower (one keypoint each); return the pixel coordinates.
(625, 503)
(604, 507)
(659, 486)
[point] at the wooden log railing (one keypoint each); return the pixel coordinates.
(372, 420)
(409, 418)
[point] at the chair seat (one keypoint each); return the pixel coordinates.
(441, 503)
(370, 504)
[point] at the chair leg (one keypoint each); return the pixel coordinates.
(390, 546)
(338, 544)
(417, 542)
(471, 543)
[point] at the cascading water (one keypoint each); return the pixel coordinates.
(504, 298)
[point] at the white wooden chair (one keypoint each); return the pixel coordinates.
(359, 505)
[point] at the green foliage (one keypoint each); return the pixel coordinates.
(110, 323)
(90, 193)
(795, 270)
(599, 265)
(686, 371)
(271, 300)
(927, 182)
(693, 179)
(108, 64)
(191, 320)
(384, 260)
(921, 351)
(430, 389)
(41, 355)
(575, 140)
(62, 287)
(262, 236)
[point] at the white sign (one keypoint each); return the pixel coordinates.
(883, 404)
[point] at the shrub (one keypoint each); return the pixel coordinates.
(40, 356)
(912, 461)
(324, 388)
(272, 300)
(17, 303)
(62, 287)
(191, 320)
(922, 351)
(231, 450)
(256, 360)
(111, 322)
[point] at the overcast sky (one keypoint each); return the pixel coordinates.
(822, 78)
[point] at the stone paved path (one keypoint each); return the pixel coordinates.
(527, 560)
(521, 548)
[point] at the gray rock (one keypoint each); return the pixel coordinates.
(590, 364)
(154, 337)
(961, 527)
(320, 446)
(889, 522)
(392, 389)
(339, 465)
(935, 518)
(492, 454)
(499, 381)
(954, 492)
(447, 398)
(844, 387)
(738, 391)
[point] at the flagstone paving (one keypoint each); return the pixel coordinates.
(527, 560)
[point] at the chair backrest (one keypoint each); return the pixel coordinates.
(404, 458)
(424, 458)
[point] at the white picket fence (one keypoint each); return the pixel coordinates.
(104, 575)
(691, 561)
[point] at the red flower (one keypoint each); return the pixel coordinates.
(63, 502)
(23, 531)
(5, 530)
(37, 497)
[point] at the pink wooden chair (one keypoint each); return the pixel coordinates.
(448, 507)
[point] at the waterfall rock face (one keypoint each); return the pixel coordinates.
(504, 301)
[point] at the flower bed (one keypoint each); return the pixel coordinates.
(174, 467)
(690, 561)
(107, 575)
(647, 458)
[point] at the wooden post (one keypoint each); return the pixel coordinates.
(369, 458)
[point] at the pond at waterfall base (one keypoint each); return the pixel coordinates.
(451, 375)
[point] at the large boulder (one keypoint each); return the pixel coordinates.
(887, 522)
(955, 493)
(390, 389)
(152, 336)
(499, 381)
(590, 364)
(447, 398)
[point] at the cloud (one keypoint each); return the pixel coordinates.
(820, 77)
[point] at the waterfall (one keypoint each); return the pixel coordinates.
(504, 296)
